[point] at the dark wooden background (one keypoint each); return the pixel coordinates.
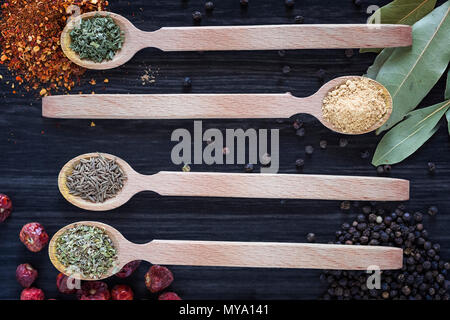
(34, 149)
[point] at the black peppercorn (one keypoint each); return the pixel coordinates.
(365, 154)
(248, 167)
(433, 210)
(321, 74)
(343, 142)
(309, 150)
(345, 205)
(418, 216)
(349, 53)
(299, 19)
(244, 3)
(286, 69)
(323, 144)
(431, 167)
(299, 163)
(380, 170)
(301, 132)
(197, 16)
(289, 4)
(209, 6)
(187, 83)
(311, 237)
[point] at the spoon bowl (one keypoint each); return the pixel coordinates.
(122, 56)
(224, 38)
(238, 254)
(240, 185)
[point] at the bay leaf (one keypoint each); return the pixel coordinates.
(410, 73)
(400, 12)
(447, 96)
(373, 70)
(409, 135)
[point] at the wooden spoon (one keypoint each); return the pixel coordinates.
(202, 106)
(239, 254)
(265, 37)
(237, 185)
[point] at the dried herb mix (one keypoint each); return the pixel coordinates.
(96, 39)
(96, 179)
(87, 250)
(355, 106)
(30, 42)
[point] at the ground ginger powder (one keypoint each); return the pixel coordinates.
(355, 106)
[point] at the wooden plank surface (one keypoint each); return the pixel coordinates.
(34, 149)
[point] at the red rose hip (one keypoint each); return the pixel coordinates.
(128, 269)
(169, 296)
(5, 207)
(33, 236)
(32, 294)
(66, 284)
(26, 275)
(94, 290)
(122, 292)
(158, 278)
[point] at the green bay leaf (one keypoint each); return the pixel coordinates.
(410, 73)
(409, 135)
(373, 70)
(400, 12)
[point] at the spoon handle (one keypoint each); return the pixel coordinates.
(268, 255)
(178, 106)
(266, 185)
(276, 37)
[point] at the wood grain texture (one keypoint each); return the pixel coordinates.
(34, 149)
(226, 38)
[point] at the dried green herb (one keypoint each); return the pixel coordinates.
(96, 179)
(447, 96)
(400, 12)
(86, 250)
(96, 39)
(409, 135)
(410, 73)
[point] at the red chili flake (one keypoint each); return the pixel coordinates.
(94, 290)
(122, 292)
(128, 269)
(32, 294)
(169, 296)
(66, 284)
(33, 236)
(158, 278)
(5, 207)
(26, 275)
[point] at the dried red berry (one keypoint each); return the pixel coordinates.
(169, 296)
(32, 294)
(66, 284)
(122, 292)
(128, 269)
(158, 278)
(5, 207)
(94, 290)
(33, 236)
(26, 275)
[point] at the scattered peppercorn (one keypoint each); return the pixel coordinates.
(380, 170)
(197, 16)
(289, 4)
(299, 164)
(187, 83)
(345, 205)
(431, 167)
(65, 284)
(433, 210)
(244, 3)
(209, 6)
(299, 19)
(365, 154)
(301, 132)
(357, 3)
(5, 207)
(128, 269)
(33, 236)
(387, 169)
(32, 294)
(311, 237)
(158, 278)
(26, 275)
(248, 168)
(94, 290)
(343, 142)
(122, 292)
(286, 69)
(349, 53)
(169, 296)
(321, 74)
(323, 144)
(309, 150)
